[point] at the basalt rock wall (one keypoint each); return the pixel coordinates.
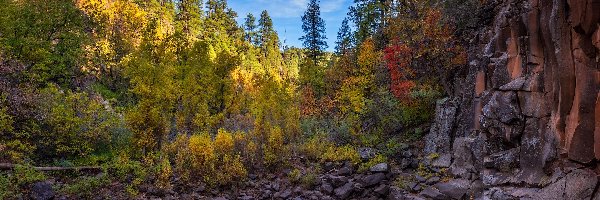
(527, 113)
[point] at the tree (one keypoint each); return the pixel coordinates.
(368, 17)
(220, 19)
(314, 29)
(45, 36)
(344, 38)
(189, 14)
(267, 34)
(250, 27)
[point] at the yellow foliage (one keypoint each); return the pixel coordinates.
(224, 143)
(274, 149)
(180, 151)
(343, 153)
(232, 170)
(203, 154)
(163, 177)
(319, 148)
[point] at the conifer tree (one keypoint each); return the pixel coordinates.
(250, 28)
(188, 14)
(266, 32)
(368, 16)
(314, 29)
(344, 38)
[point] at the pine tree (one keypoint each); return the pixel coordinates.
(188, 14)
(220, 18)
(250, 28)
(344, 38)
(268, 36)
(314, 28)
(368, 16)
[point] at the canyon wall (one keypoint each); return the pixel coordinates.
(525, 119)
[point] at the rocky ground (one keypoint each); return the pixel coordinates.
(409, 176)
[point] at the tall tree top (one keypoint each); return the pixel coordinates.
(250, 28)
(267, 34)
(344, 38)
(314, 29)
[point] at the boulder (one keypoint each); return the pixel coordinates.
(344, 191)
(438, 140)
(464, 162)
(443, 161)
(382, 190)
(433, 193)
(42, 191)
(455, 188)
(286, 194)
(327, 188)
(373, 179)
(381, 167)
(337, 181)
(345, 171)
(433, 180)
(579, 184)
(504, 161)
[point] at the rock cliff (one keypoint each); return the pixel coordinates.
(525, 119)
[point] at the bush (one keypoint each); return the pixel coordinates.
(203, 155)
(180, 152)
(232, 170)
(274, 149)
(12, 184)
(214, 162)
(85, 187)
(132, 173)
(319, 148)
(224, 143)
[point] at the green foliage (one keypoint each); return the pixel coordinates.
(295, 175)
(422, 108)
(45, 35)
(163, 174)
(75, 125)
(14, 183)
(314, 28)
(130, 172)
(86, 186)
(72, 125)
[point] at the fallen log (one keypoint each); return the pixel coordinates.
(10, 166)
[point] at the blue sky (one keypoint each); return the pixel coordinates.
(287, 16)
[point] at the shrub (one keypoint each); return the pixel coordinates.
(180, 152)
(224, 143)
(295, 175)
(26, 174)
(319, 148)
(12, 184)
(127, 171)
(85, 187)
(309, 179)
(343, 153)
(163, 174)
(232, 170)
(274, 149)
(203, 155)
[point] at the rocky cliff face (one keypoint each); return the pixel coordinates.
(526, 120)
